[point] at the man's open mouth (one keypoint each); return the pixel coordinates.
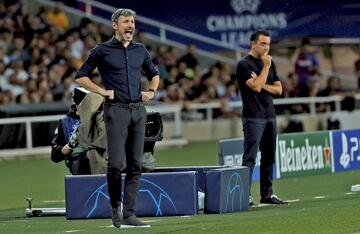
(129, 32)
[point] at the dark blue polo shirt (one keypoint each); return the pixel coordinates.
(120, 68)
(255, 105)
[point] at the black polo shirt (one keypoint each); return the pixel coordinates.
(255, 105)
(120, 68)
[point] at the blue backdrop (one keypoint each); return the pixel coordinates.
(232, 20)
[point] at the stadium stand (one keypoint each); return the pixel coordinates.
(40, 50)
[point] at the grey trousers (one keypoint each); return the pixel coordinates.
(125, 130)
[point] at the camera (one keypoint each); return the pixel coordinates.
(153, 127)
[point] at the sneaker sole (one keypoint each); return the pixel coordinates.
(272, 204)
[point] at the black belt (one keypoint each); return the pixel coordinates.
(125, 105)
(117, 102)
(129, 105)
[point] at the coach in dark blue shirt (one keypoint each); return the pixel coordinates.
(120, 62)
(120, 68)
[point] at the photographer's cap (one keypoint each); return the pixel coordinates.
(79, 94)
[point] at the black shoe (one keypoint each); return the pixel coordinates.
(251, 202)
(273, 199)
(116, 216)
(133, 222)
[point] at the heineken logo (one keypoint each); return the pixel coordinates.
(303, 157)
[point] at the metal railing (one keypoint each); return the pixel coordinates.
(209, 107)
(175, 110)
(166, 109)
(28, 121)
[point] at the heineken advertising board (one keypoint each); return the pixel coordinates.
(303, 154)
(346, 145)
(231, 153)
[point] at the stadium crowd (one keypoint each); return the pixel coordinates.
(39, 55)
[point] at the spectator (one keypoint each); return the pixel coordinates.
(30, 94)
(58, 17)
(15, 77)
(174, 94)
(32, 27)
(306, 62)
(357, 71)
(7, 39)
(334, 88)
(190, 57)
(232, 95)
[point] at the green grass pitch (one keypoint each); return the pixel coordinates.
(322, 203)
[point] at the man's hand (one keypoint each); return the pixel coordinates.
(66, 149)
(146, 96)
(266, 59)
(253, 75)
(108, 94)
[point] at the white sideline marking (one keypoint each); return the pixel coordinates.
(151, 221)
(131, 226)
(145, 221)
(295, 200)
(15, 221)
(185, 216)
(52, 201)
(319, 197)
(73, 231)
(349, 193)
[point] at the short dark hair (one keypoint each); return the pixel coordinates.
(122, 12)
(255, 35)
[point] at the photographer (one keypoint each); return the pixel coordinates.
(65, 145)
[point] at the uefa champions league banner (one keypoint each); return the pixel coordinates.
(232, 21)
(346, 148)
(304, 154)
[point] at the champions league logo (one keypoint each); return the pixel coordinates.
(236, 28)
(234, 193)
(240, 6)
(155, 196)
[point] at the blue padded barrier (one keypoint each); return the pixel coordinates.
(160, 194)
(227, 190)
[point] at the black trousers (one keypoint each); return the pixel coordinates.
(125, 130)
(260, 134)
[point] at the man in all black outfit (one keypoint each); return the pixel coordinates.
(258, 81)
(119, 62)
